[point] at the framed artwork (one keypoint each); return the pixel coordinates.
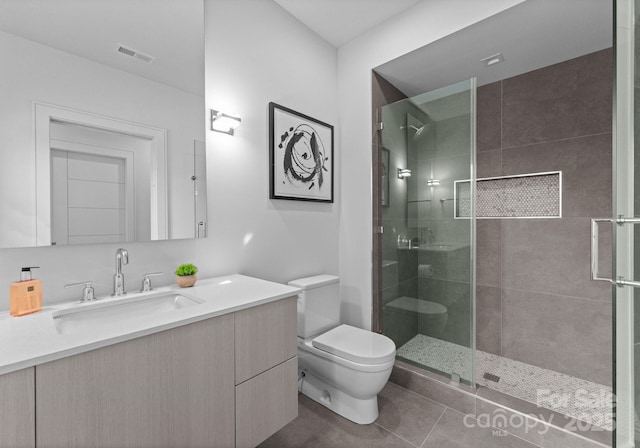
(385, 177)
(300, 156)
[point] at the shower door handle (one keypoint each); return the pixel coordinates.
(619, 281)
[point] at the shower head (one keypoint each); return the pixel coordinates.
(417, 129)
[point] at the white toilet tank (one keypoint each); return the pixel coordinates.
(318, 304)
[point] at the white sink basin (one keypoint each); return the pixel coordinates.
(94, 317)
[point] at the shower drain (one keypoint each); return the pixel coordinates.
(491, 377)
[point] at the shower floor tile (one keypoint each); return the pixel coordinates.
(574, 397)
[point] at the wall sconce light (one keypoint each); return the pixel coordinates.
(225, 123)
(433, 182)
(403, 173)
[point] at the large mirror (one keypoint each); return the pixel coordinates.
(103, 121)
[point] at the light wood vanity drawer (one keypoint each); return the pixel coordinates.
(265, 337)
(266, 403)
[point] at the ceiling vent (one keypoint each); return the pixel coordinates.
(128, 51)
(493, 59)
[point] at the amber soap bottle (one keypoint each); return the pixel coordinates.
(25, 296)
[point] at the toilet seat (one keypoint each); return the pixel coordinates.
(357, 345)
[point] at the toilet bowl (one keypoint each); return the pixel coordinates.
(340, 366)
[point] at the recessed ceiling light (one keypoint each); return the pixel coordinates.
(493, 59)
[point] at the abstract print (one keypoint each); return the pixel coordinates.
(304, 156)
(301, 156)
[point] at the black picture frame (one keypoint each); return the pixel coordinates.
(301, 156)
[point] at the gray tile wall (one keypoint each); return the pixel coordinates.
(535, 301)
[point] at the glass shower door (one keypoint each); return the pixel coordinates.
(626, 175)
(428, 250)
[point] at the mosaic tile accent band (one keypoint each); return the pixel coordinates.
(529, 196)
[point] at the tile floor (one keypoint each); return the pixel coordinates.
(561, 393)
(406, 420)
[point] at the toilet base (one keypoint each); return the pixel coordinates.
(361, 411)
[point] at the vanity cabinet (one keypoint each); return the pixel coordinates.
(222, 382)
(266, 370)
(170, 389)
(17, 413)
(266, 336)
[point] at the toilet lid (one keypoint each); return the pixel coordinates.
(356, 344)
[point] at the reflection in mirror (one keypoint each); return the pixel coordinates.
(100, 144)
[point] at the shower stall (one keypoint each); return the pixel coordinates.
(485, 195)
(428, 264)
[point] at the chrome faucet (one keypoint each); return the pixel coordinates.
(146, 281)
(122, 257)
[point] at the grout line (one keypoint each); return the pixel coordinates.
(396, 435)
(557, 295)
(557, 140)
(475, 400)
(434, 426)
(501, 290)
(502, 429)
(425, 397)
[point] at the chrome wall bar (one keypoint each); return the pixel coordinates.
(619, 281)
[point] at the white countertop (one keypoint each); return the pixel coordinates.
(30, 340)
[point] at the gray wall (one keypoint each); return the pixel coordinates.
(535, 301)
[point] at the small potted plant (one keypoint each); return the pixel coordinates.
(186, 275)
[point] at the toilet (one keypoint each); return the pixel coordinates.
(340, 366)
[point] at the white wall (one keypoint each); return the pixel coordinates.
(256, 53)
(426, 22)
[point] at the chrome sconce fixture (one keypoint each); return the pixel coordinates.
(403, 173)
(433, 182)
(225, 123)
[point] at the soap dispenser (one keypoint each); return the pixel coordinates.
(25, 296)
